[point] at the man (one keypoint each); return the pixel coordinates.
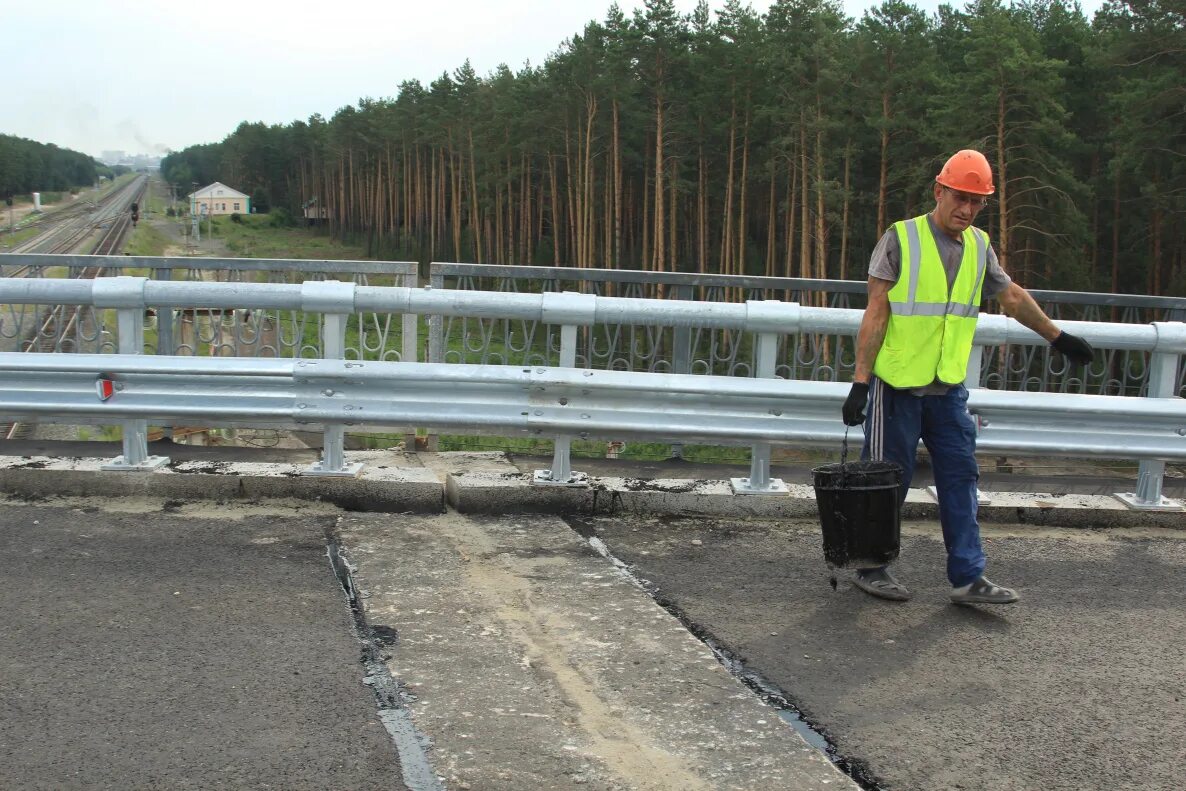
(927, 277)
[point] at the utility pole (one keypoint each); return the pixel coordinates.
(194, 219)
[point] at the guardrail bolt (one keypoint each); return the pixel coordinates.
(327, 392)
(301, 406)
(563, 402)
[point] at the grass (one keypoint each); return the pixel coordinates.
(101, 433)
(256, 237)
(17, 237)
(146, 240)
(591, 449)
(154, 201)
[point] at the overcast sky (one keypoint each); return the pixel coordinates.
(144, 76)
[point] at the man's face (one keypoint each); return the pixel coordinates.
(955, 210)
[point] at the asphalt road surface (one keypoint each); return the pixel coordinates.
(157, 645)
(1082, 685)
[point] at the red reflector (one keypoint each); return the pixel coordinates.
(105, 388)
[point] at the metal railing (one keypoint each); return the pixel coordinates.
(495, 340)
(811, 356)
(199, 330)
(1152, 429)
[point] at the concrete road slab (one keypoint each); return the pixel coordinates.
(1081, 685)
(530, 662)
(153, 644)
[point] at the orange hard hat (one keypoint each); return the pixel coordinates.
(967, 171)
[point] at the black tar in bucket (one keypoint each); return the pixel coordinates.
(859, 512)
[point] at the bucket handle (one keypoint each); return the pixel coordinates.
(844, 459)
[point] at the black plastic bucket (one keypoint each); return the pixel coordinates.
(859, 512)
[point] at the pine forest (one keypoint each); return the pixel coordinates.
(777, 143)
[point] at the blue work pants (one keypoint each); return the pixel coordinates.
(895, 421)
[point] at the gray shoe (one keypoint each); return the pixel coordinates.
(880, 583)
(983, 591)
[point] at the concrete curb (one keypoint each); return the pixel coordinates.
(489, 483)
(381, 486)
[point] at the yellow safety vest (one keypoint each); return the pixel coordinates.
(930, 331)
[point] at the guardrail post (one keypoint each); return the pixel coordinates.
(436, 326)
(409, 350)
(164, 329)
(436, 352)
(1163, 381)
(164, 319)
(126, 295)
(564, 309)
(335, 300)
(561, 472)
(759, 480)
(681, 355)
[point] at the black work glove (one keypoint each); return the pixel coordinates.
(1074, 348)
(854, 405)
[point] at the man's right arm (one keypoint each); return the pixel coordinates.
(873, 327)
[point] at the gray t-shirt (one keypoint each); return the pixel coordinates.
(886, 264)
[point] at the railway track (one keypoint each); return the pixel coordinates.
(57, 328)
(65, 230)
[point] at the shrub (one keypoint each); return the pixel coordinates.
(280, 217)
(237, 218)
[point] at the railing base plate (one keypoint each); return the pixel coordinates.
(1166, 504)
(148, 465)
(317, 470)
(775, 486)
(544, 478)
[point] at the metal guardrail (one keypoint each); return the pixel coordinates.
(815, 356)
(1152, 429)
(318, 394)
(210, 330)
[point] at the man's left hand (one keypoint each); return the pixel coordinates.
(1074, 348)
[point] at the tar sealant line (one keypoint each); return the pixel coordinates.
(768, 691)
(390, 695)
